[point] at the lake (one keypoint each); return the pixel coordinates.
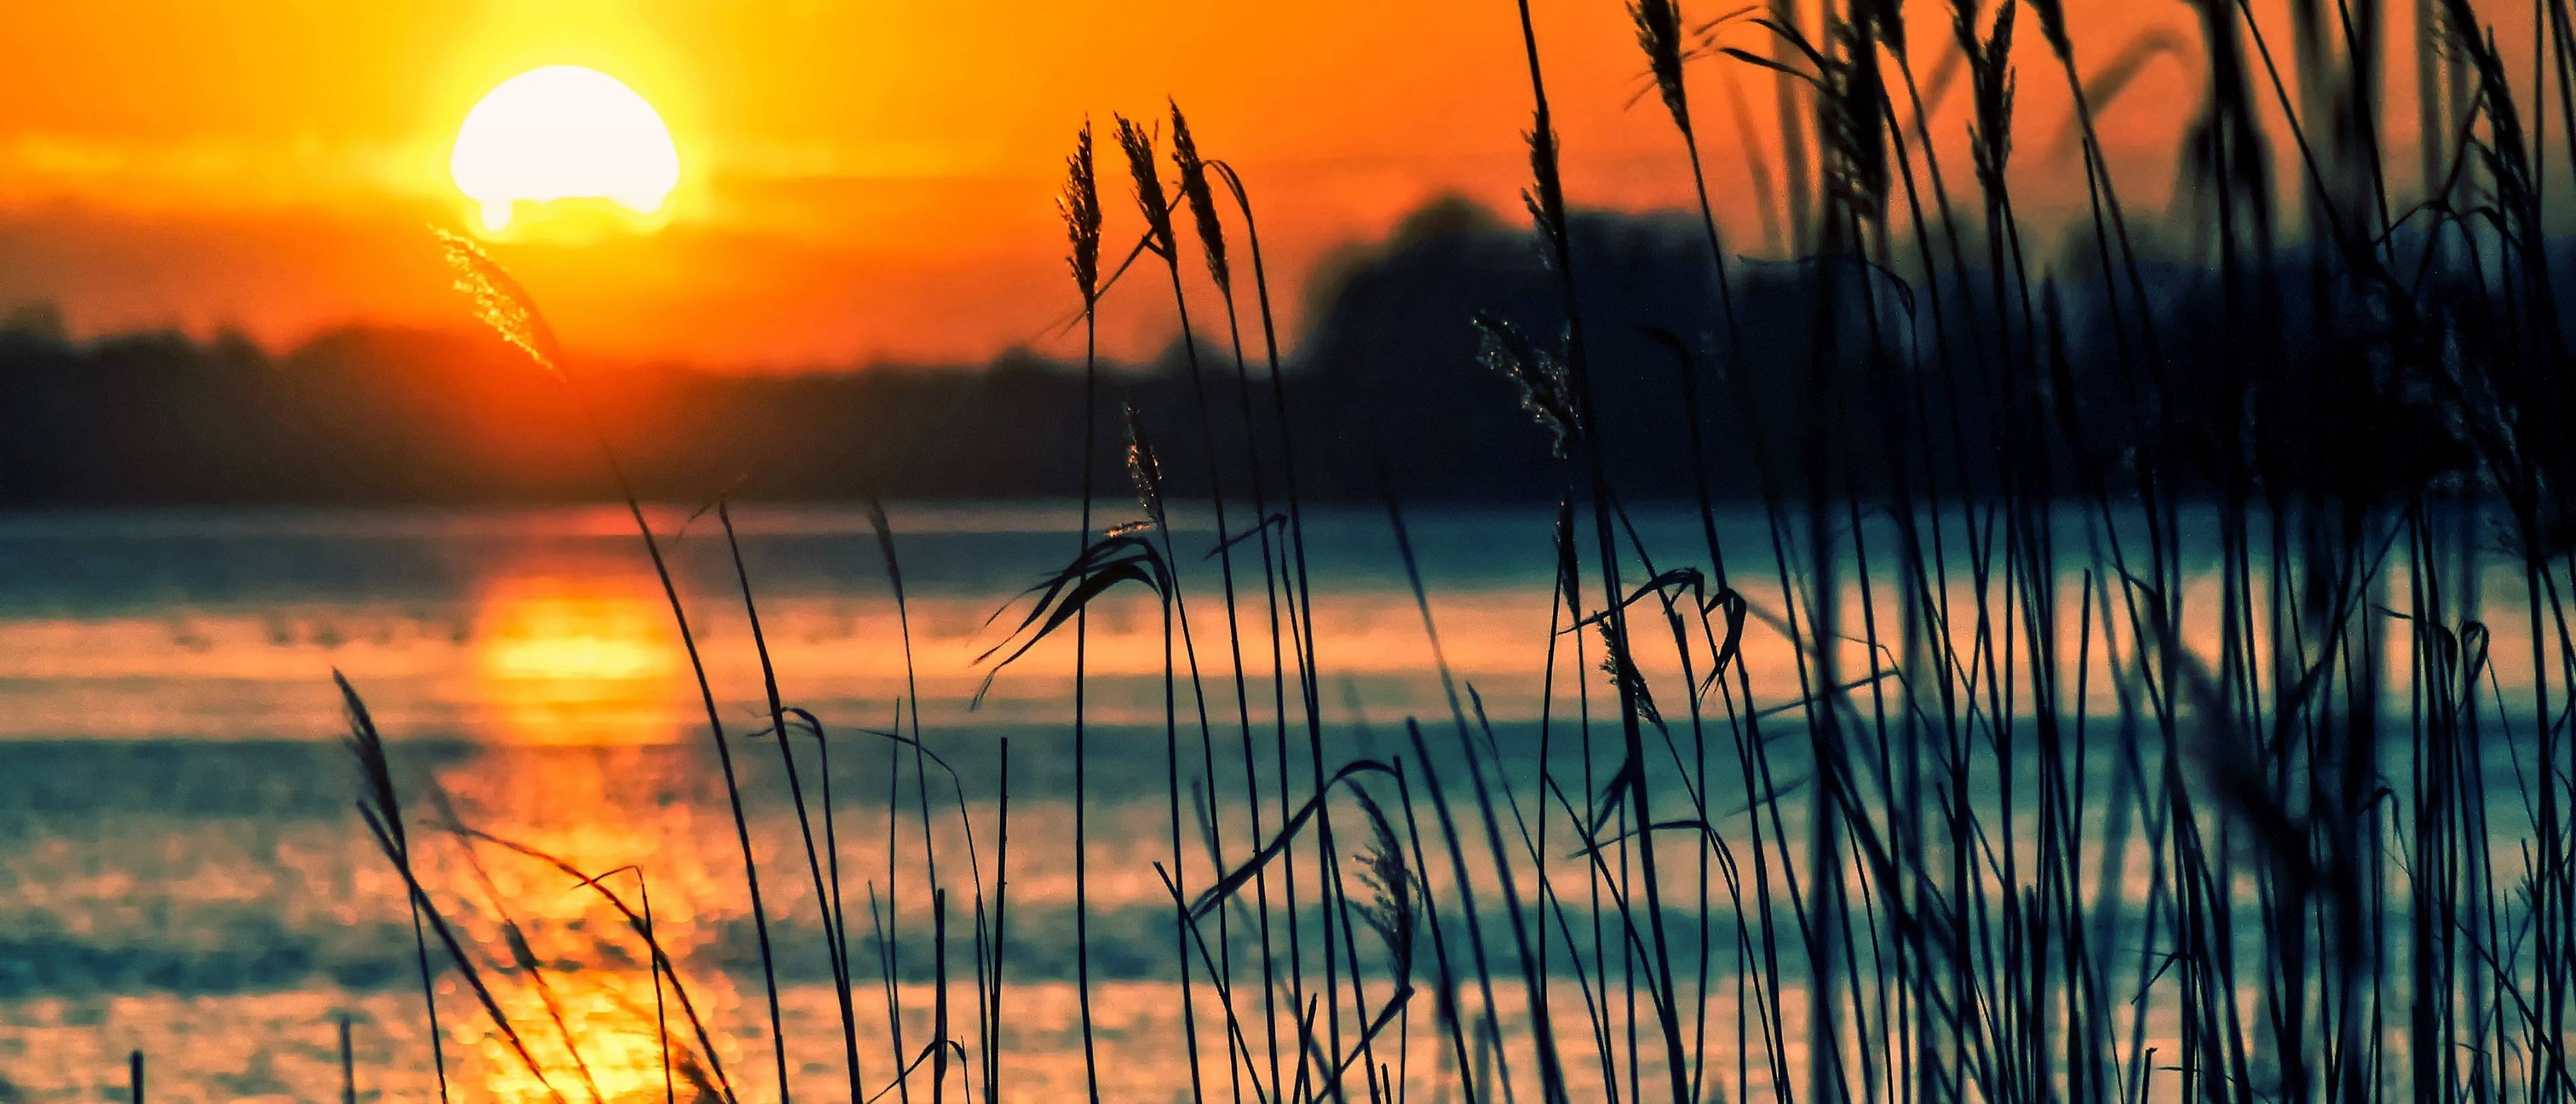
(182, 870)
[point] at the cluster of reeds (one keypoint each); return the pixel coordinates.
(2182, 768)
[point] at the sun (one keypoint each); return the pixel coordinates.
(563, 132)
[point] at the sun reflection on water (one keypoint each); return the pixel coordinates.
(568, 968)
(567, 659)
(580, 669)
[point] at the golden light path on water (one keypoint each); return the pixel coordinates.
(574, 660)
(566, 966)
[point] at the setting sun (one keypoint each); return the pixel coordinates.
(563, 132)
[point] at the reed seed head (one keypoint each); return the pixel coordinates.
(1545, 390)
(2052, 27)
(1139, 146)
(499, 301)
(1202, 199)
(1659, 34)
(1144, 470)
(1855, 120)
(1623, 673)
(1990, 74)
(1080, 205)
(1545, 197)
(1390, 910)
(375, 773)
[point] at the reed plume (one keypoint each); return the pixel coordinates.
(1079, 203)
(1855, 120)
(1138, 144)
(1659, 34)
(1202, 201)
(499, 301)
(1144, 469)
(379, 799)
(1538, 374)
(1990, 78)
(1391, 910)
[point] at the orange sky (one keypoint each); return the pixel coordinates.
(861, 181)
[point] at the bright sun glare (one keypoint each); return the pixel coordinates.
(563, 132)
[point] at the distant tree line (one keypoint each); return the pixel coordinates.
(1390, 374)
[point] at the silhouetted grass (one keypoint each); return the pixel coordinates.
(2146, 739)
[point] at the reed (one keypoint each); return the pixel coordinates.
(1080, 205)
(1212, 243)
(2134, 718)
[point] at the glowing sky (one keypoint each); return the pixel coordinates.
(858, 180)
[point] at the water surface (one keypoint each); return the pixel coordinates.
(181, 869)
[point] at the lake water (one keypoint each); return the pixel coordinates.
(182, 871)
